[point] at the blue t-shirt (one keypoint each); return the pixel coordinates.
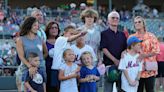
(36, 82)
(88, 86)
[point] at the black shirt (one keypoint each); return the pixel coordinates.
(115, 43)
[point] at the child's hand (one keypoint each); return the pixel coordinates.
(32, 71)
(94, 77)
(133, 83)
(141, 57)
(83, 33)
(91, 78)
(77, 70)
(74, 75)
(88, 78)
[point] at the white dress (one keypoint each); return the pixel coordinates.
(69, 85)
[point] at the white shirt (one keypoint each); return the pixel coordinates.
(93, 37)
(69, 85)
(6, 46)
(79, 51)
(60, 45)
(129, 63)
(41, 33)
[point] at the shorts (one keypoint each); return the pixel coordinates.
(54, 78)
(160, 69)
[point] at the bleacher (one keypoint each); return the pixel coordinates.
(8, 83)
(152, 25)
(7, 30)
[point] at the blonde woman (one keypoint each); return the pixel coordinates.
(149, 50)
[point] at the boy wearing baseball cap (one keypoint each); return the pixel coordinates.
(130, 66)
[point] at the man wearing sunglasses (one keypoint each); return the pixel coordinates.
(113, 42)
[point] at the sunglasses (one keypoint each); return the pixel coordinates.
(137, 22)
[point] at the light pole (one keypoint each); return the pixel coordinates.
(95, 4)
(110, 5)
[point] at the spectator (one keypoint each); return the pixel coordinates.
(35, 83)
(7, 72)
(92, 38)
(12, 55)
(52, 32)
(30, 42)
(68, 73)
(88, 73)
(126, 32)
(2, 16)
(6, 46)
(15, 36)
(39, 16)
(82, 6)
(113, 42)
(155, 13)
(62, 43)
(130, 67)
(81, 47)
(149, 50)
(160, 59)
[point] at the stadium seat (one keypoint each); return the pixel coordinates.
(8, 84)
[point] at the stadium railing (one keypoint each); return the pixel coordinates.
(8, 83)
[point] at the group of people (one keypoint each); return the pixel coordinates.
(53, 62)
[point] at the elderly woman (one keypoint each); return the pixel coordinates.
(150, 48)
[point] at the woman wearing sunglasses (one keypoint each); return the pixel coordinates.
(149, 50)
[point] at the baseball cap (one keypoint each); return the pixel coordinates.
(132, 40)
